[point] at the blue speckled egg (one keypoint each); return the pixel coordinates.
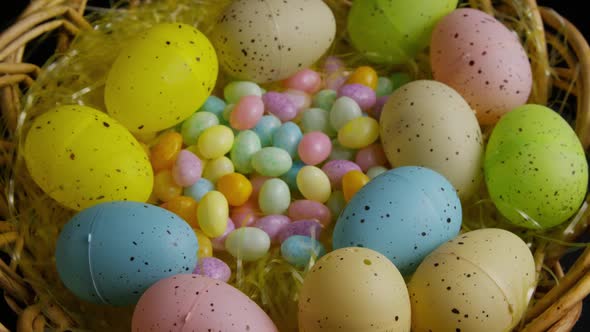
(112, 252)
(404, 214)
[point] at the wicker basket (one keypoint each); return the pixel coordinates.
(557, 307)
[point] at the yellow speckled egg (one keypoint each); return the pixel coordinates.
(354, 289)
(427, 123)
(269, 40)
(161, 77)
(81, 157)
(480, 281)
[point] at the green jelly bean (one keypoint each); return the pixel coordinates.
(317, 119)
(238, 89)
(271, 161)
(247, 243)
(384, 87)
(325, 99)
(246, 145)
(274, 197)
(197, 123)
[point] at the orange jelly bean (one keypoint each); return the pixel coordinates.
(185, 207)
(364, 75)
(352, 182)
(163, 154)
(205, 245)
(165, 189)
(236, 188)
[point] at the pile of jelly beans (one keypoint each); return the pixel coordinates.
(261, 168)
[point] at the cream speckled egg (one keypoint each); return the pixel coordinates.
(480, 281)
(426, 123)
(269, 40)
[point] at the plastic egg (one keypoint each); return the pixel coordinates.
(336, 169)
(307, 209)
(317, 119)
(212, 213)
(300, 250)
(352, 182)
(93, 158)
(404, 214)
(194, 126)
(217, 168)
(266, 128)
(235, 187)
(187, 169)
(314, 184)
(354, 289)
(480, 281)
(282, 38)
(272, 161)
(344, 110)
(112, 252)
(274, 197)
(314, 148)
(184, 207)
(213, 268)
(199, 189)
(215, 141)
(535, 168)
(359, 133)
(483, 60)
(193, 302)
(156, 71)
(236, 90)
(394, 31)
(247, 243)
(272, 225)
(165, 188)
(310, 228)
(426, 123)
(247, 112)
(246, 144)
(205, 246)
(287, 137)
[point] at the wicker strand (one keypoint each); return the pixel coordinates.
(19, 68)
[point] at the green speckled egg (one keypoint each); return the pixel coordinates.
(535, 168)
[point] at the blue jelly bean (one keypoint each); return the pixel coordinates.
(199, 189)
(287, 137)
(265, 128)
(214, 105)
(291, 176)
(299, 249)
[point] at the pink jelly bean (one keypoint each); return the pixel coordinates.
(364, 96)
(213, 268)
(336, 169)
(378, 107)
(370, 156)
(247, 112)
(218, 243)
(272, 225)
(335, 80)
(280, 105)
(332, 64)
(301, 99)
(311, 228)
(245, 215)
(187, 169)
(257, 182)
(314, 148)
(305, 80)
(307, 209)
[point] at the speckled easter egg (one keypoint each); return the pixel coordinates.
(480, 281)
(354, 289)
(147, 86)
(269, 40)
(189, 302)
(112, 252)
(81, 157)
(404, 214)
(485, 62)
(427, 123)
(535, 168)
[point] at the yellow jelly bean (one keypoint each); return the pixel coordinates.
(163, 154)
(213, 213)
(314, 184)
(185, 207)
(352, 182)
(205, 245)
(359, 133)
(215, 142)
(165, 189)
(217, 168)
(364, 75)
(235, 187)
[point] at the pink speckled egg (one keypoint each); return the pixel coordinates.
(485, 62)
(188, 302)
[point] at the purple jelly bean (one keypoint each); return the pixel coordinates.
(310, 227)
(363, 95)
(336, 169)
(213, 268)
(378, 107)
(279, 105)
(273, 225)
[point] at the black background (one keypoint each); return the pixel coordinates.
(571, 9)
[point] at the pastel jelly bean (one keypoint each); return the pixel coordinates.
(212, 214)
(307, 209)
(335, 80)
(384, 87)
(364, 75)
(335, 170)
(213, 105)
(257, 182)
(246, 145)
(199, 189)
(271, 161)
(185, 207)
(287, 137)
(371, 156)
(344, 110)
(291, 176)
(375, 171)
(235, 187)
(234, 91)
(314, 148)
(227, 111)
(317, 119)
(336, 202)
(165, 188)
(400, 79)
(205, 246)
(340, 152)
(163, 154)
(247, 112)
(311, 228)
(247, 243)
(301, 99)
(359, 133)
(274, 197)
(266, 128)
(280, 105)
(246, 214)
(300, 250)
(313, 184)
(218, 243)
(213, 268)
(194, 126)
(325, 99)
(352, 182)
(187, 169)
(305, 80)
(272, 225)
(332, 64)
(378, 107)
(364, 96)
(217, 168)
(215, 141)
